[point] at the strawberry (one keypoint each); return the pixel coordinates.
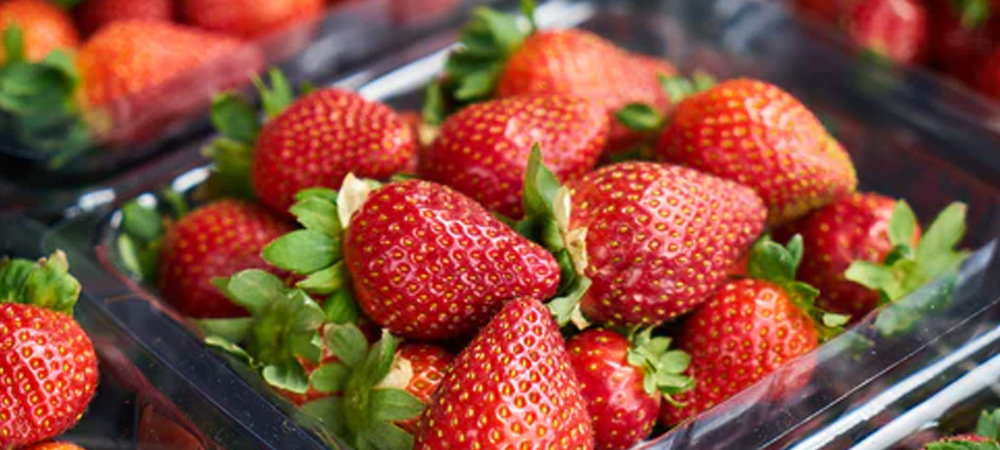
(48, 368)
(43, 25)
(756, 134)
(424, 261)
(216, 240)
(748, 329)
(56, 446)
(511, 387)
(482, 150)
(655, 240)
(986, 436)
(346, 134)
(963, 34)
(498, 58)
(623, 385)
(853, 228)
(987, 77)
(427, 366)
(248, 19)
(93, 15)
(894, 29)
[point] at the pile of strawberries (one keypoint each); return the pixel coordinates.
(572, 246)
(957, 37)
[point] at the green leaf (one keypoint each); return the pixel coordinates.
(303, 251)
(230, 348)
(318, 214)
(141, 222)
(320, 193)
(232, 330)
(835, 320)
(673, 361)
(640, 117)
(347, 342)
(254, 289)
(13, 43)
(235, 118)
(903, 224)
(395, 404)
(478, 85)
(289, 377)
(540, 186)
(231, 168)
(386, 436)
(330, 378)
(528, 10)
(564, 307)
(340, 308)
(276, 98)
(329, 411)
(973, 13)
(45, 283)
(435, 108)
(941, 237)
(988, 425)
(326, 281)
(773, 262)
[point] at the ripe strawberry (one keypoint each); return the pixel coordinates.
(748, 329)
(482, 150)
(248, 19)
(963, 34)
(656, 239)
(427, 366)
(512, 387)
(56, 446)
(93, 15)
(321, 138)
(216, 240)
(428, 263)
(44, 27)
(759, 135)
(48, 369)
(895, 29)
(853, 228)
(569, 62)
(623, 386)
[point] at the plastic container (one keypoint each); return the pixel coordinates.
(38, 182)
(895, 139)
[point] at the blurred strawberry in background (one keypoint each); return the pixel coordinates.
(44, 26)
(91, 15)
(249, 18)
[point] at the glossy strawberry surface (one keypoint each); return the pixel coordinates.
(621, 411)
(429, 263)
(248, 18)
(44, 27)
(854, 228)
(321, 138)
(48, 374)
(512, 387)
(582, 64)
(895, 29)
(659, 238)
(754, 133)
(747, 330)
(217, 240)
(482, 151)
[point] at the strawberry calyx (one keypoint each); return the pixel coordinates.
(37, 103)
(239, 124)
(972, 13)
(282, 330)
(775, 263)
(907, 267)
(643, 117)
(372, 382)
(663, 368)
(547, 207)
(986, 436)
(143, 225)
(45, 283)
(472, 71)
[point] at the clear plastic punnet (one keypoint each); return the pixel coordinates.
(901, 140)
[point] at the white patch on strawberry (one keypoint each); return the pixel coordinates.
(351, 197)
(399, 376)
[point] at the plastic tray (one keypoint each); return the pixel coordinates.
(349, 34)
(893, 136)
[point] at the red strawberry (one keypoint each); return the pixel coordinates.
(429, 263)
(657, 239)
(512, 387)
(92, 15)
(321, 138)
(428, 365)
(48, 368)
(748, 329)
(44, 27)
(759, 135)
(962, 36)
(56, 446)
(248, 19)
(216, 240)
(622, 385)
(895, 29)
(482, 151)
(853, 228)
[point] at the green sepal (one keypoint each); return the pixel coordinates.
(232, 161)
(435, 107)
(13, 43)
(326, 281)
(320, 193)
(289, 376)
(679, 87)
(329, 411)
(318, 214)
(988, 425)
(663, 368)
(565, 308)
(232, 349)
(640, 117)
(540, 186)
(973, 13)
(235, 118)
(231, 330)
(278, 96)
(45, 283)
(341, 308)
(330, 378)
(346, 342)
(141, 236)
(303, 251)
(380, 435)
(962, 445)
(906, 268)
(395, 404)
